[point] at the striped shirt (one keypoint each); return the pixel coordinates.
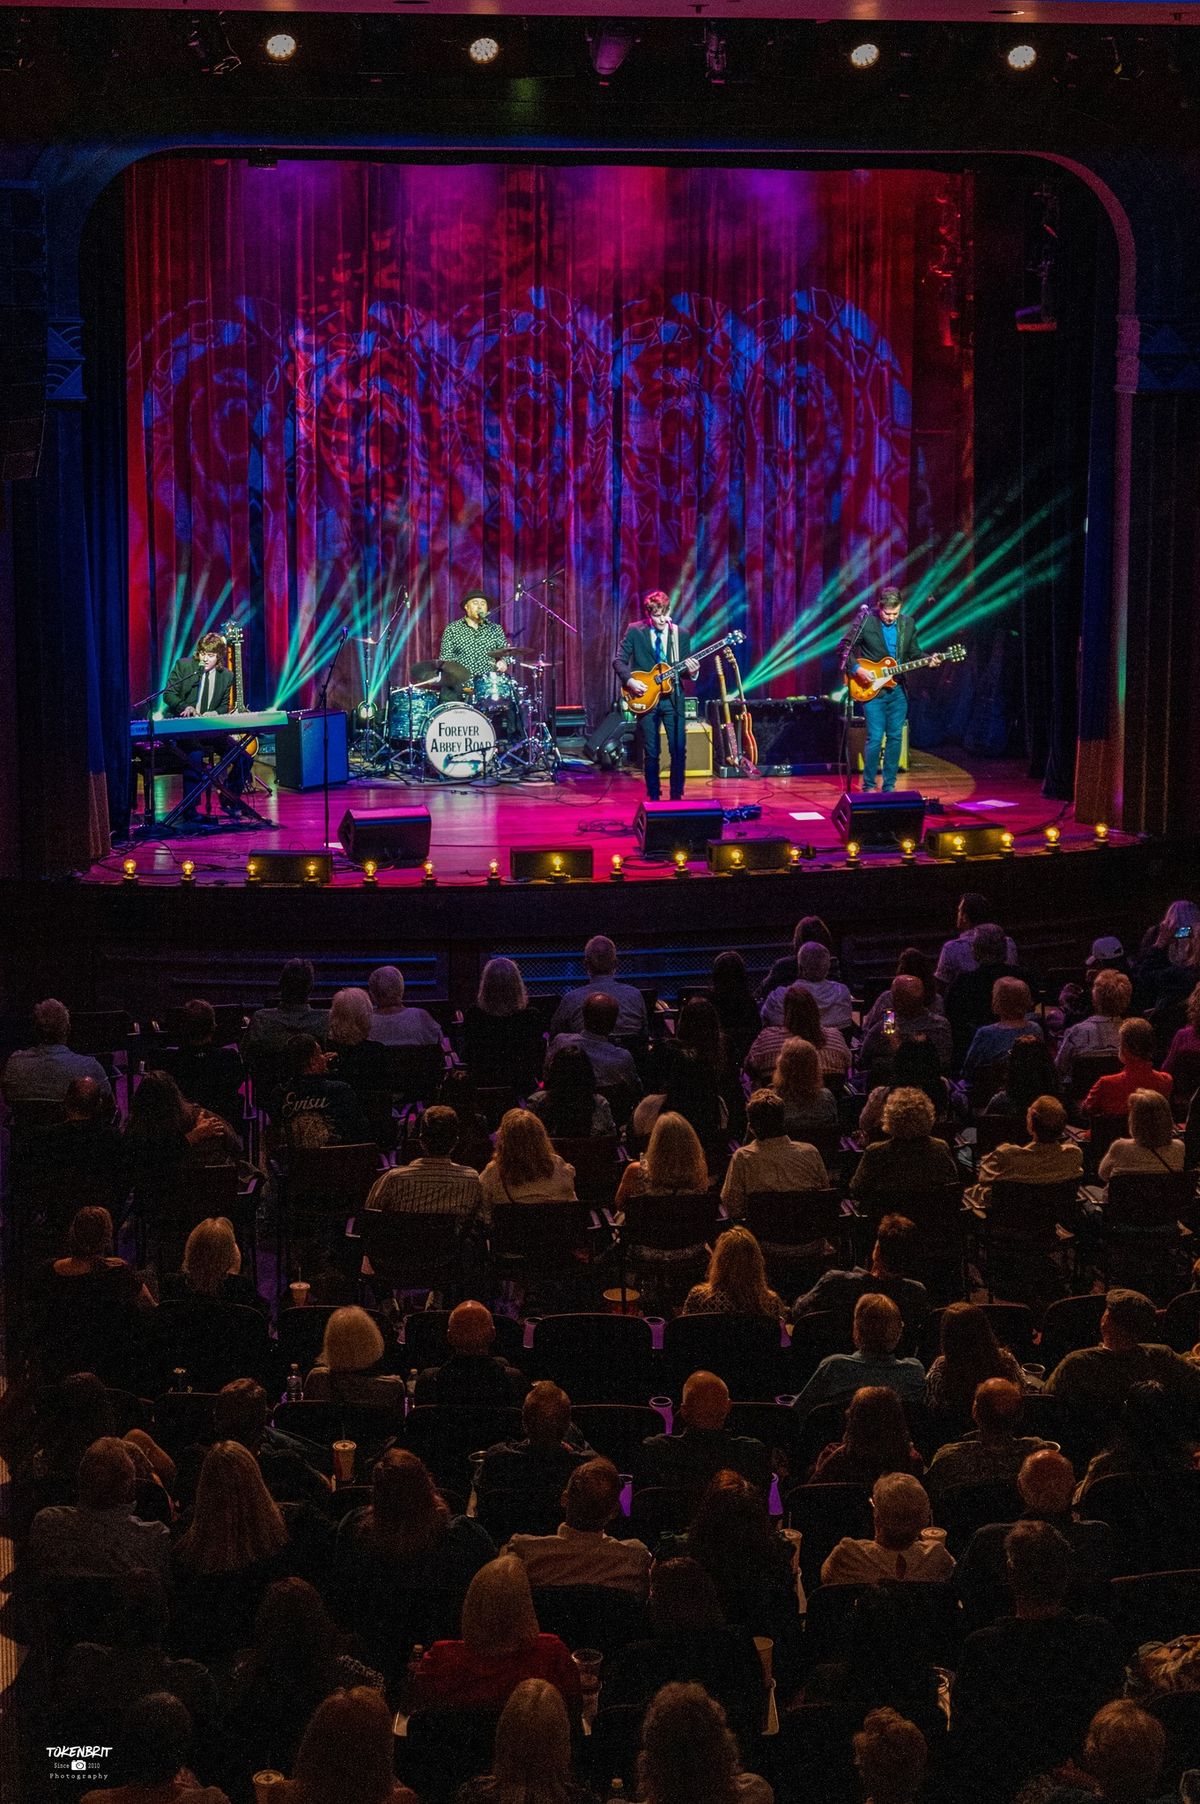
(429, 1187)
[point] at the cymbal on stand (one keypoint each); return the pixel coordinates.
(512, 651)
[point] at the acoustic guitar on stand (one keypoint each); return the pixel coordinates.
(884, 673)
(661, 680)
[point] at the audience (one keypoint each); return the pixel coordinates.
(434, 1183)
(911, 963)
(736, 1008)
(890, 1756)
(1046, 1484)
(524, 1167)
(672, 1164)
(875, 1440)
(1045, 1158)
(151, 1757)
(808, 1107)
(887, 1273)
(242, 1413)
(915, 1067)
(1012, 1006)
(970, 993)
(612, 1064)
(472, 1375)
(358, 1060)
(904, 1548)
(833, 999)
(394, 1022)
(690, 1641)
(349, 1367)
(89, 1275)
(736, 1280)
(1185, 1044)
(528, 1476)
(600, 965)
(99, 1532)
(347, 1753)
(909, 1017)
(206, 1073)
(1152, 1145)
(405, 1537)
(44, 1072)
(751, 1563)
(166, 1134)
(501, 1645)
(1098, 1032)
(969, 1353)
(571, 1107)
(1147, 1442)
(688, 1753)
(501, 1033)
(693, 1090)
(1095, 1381)
(957, 956)
(272, 1028)
(531, 1760)
(311, 1108)
(800, 1019)
(908, 1158)
(1123, 1758)
(212, 1267)
(878, 1326)
(770, 1160)
(581, 1553)
(785, 970)
(1135, 1049)
(690, 1456)
(1028, 1073)
(994, 1451)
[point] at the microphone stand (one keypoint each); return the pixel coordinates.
(848, 645)
(149, 808)
(323, 705)
(547, 582)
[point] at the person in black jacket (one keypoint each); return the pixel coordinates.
(885, 631)
(693, 1455)
(203, 684)
(659, 640)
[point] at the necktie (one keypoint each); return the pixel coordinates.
(206, 692)
(660, 645)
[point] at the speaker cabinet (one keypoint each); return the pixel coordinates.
(858, 743)
(699, 749)
(396, 836)
(880, 820)
(300, 753)
(663, 828)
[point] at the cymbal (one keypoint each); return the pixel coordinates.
(513, 651)
(453, 671)
(425, 672)
(539, 663)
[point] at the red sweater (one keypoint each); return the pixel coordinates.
(1110, 1095)
(452, 1677)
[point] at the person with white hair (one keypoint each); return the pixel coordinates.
(45, 1071)
(878, 1327)
(395, 1022)
(833, 999)
(358, 1060)
(600, 966)
(904, 1548)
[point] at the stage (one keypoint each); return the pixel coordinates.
(474, 825)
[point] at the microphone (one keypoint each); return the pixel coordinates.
(345, 634)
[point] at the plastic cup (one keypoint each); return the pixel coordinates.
(299, 1293)
(266, 1786)
(666, 1410)
(589, 1660)
(766, 1650)
(343, 1461)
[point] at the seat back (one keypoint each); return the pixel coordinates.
(1156, 1606)
(744, 1350)
(184, 1419)
(1148, 1201)
(1069, 1323)
(543, 1234)
(617, 1430)
(410, 1250)
(681, 1221)
(1185, 1070)
(1086, 1067)
(926, 1623)
(442, 1750)
(446, 1438)
(338, 1178)
(590, 1615)
(1030, 1213)
(964, 1508)
(213, 1342)
(414, 1073)
(597, 1165)
(595, 1358)
(1181, 1321)
(785, 1220)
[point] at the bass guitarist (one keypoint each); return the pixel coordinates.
(660, 640)
(882, 631)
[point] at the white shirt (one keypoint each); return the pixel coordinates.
(925, 1560)
(578, 1556)
(775, 1164)
(958, 955)
(834, 1003)
(1126, 1155)
(559, 1187)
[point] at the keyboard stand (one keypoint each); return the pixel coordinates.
(195, 788)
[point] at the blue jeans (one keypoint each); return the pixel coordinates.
(885, 718)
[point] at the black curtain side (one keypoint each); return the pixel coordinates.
(102, 303)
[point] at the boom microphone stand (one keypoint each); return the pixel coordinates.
(844, 657)
(323, 704)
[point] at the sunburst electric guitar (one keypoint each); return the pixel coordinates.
(661, 680)
(884, 673)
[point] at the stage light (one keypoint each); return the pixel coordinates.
(312, 872)
(253, 871)
(187, 871)
(681, 863)
(130, 870)
(1052, 838)
(958, 848)
(908, 851)
(864, 56)
(558, 872)
(483, 50)
(793, 858)
(1021, 57)
(608, 46)
(1100, 833)
(370, 872)
(281, 46)
(617, 873)
(1007, 842)
(429, 880)
(493, 875)
(852, 851)
(209, 44)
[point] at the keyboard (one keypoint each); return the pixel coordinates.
(267, 720)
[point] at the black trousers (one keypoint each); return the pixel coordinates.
(670, 714)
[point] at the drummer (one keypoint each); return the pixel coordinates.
(470, 642)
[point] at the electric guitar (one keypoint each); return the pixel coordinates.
(884, 673)
(234, 636)
(661, 680)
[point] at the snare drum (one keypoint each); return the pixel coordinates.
(459, 741)
(494, 690)
(407, 712)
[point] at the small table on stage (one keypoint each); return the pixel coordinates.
(239, 729)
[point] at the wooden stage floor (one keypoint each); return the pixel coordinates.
(471, 826)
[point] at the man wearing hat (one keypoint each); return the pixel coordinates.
(1095, 1381)
(1100, 1031)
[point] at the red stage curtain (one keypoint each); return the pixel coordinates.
(347, 379)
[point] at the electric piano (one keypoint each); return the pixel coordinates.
(267, 720)
(237, 731)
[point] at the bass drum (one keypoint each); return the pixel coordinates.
(407, 712)
(459, 741)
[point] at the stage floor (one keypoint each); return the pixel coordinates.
(473, 825)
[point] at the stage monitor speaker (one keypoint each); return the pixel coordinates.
(976, 839)
(663, 828)
(551, 864)
(280, 868)
(880, 820)
(727, 857)
(300, 752)
(699, 746)
(391, 836)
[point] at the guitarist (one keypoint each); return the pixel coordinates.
(659, 641)
(883, 631)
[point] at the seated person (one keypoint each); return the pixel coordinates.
(242, 1413)
(206, 1073)
(878, 1326)
(752, 1564)
(689, 1751)
(611, 1064)
(771, 1161)
(271, 1028)
(43, 1072)
(785, 970)
(524, 1167)
(528, 1476)
(809, 1108)
(692, 1455)
(405, 1538)
(1112, 993)
(833, 999)
(314, 1109)
(99, 1533)
(904, 1547)
(358, 1060)
(571, 1107)
(875, 1440)
(212, 1268)
(995, 1451)
(1123, 1759)
(911, 963)
(1028, 1074)
(472, 1375)
(152, 1752)
(886, 1274)
(1012, 1006)
(501, 1644)
(354, 1726)
(600, 964)
(1046, 1484)
(908, 1158)
(969, 996)
(736, 1281)
(969, 1353)
(957, 956)
(1045, 1158)
(890, 1757)
(89, 1276)
(166, 1135)
(909, 1018)
(800, 1019)
(434, 1183)
(1095, 1381)
(582, 1553)
(915, 1067)
(395, 1022)
(673, 1164)
(1135, 1049)
(692, 1088)
(85, 1144)
(1152, 1145)
(349, 1368)
(500, 1030)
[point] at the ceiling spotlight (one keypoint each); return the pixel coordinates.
(864, 56)
(209, 44)
(281, 46)
(608, 45)
(1022, 57)
(483, 50)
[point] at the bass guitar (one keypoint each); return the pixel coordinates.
(884, 673)
(661, 680)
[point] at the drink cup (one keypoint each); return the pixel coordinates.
(298, 1293)
(766, 1650)
(343, 1461)
(266, 1786)
(589, 1661)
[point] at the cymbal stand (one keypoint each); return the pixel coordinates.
(535, 754)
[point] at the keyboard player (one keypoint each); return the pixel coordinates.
(203, 684)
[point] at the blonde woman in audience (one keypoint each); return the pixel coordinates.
(1151, 1145)
(524, 1167)
(350, 1366)
(212, 1265)
(347, 1754)
(673, 1163)
(690, 1754)
(736, 1280)
(809, 1106)
(531, 1760)
(502, 1644)
(503, 1038)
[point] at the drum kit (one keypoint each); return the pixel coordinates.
(448, 725)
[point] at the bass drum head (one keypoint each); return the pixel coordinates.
(459, 740)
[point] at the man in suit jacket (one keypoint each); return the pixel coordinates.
(885, 632)
(203, 684)
(658, 640)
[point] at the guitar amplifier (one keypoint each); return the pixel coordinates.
(699, 749)
(798, 735)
